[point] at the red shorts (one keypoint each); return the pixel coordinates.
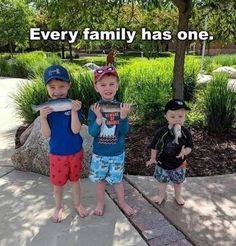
(64, 167)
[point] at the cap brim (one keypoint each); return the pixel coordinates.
(57, 77)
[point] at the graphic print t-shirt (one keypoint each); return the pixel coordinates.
(110, 135)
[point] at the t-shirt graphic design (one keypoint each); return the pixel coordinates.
(109, 122)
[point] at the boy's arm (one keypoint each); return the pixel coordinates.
(123, 126)
(45, 128)
(153, 158)
(153, 147)
(75, 122)
(94, 124)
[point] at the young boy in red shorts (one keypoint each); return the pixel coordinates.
(65, 145)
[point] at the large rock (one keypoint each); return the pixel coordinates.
(33, 155)
(225, 69)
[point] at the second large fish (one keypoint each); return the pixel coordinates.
(60, 104)
(110, 107)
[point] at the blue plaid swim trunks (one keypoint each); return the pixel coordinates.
(177, 176)
(109, 168)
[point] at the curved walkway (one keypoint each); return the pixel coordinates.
(209, 217)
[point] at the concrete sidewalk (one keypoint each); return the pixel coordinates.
(9, 122)
(209, 214)
(27, 204)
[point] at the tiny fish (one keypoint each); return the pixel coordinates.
(177, 133)
(60, 104)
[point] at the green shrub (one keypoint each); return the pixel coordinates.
(147, 85)
(211, 63)
(144, 83)
(82, 89)
(195, 117)
(219, 105)
(27, 65)
(191, 71)
(32, 92)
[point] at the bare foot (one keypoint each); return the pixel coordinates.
(159, 199)
(99, 210)
(58, 215)
(82, 212)
(180, 200)
(127, 209)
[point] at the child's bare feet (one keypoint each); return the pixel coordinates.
(159, 199)
(82, 212)
(127, 209)
(57, 215)
(179, 200)
(99, 210)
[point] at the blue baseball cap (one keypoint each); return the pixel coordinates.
(56, 72)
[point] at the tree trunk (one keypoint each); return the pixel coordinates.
(184, 7)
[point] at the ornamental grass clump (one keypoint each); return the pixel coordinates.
(219, 105)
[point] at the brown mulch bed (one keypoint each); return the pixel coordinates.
(212, 155)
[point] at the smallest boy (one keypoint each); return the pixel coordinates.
(109, 130)
(168, 154)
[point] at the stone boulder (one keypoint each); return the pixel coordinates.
(32, 156)
(225, 69)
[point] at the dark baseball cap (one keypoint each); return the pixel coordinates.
(176, 104)
(100, 72)
(56, 72)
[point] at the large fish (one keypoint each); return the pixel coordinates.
(177, 133)
(112, 107)
(60, 104)
(108, 107)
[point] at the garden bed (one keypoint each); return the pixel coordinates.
(212, 155)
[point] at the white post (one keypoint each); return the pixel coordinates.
(204, 46)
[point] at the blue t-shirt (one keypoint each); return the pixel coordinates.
(63, 141)
(109, 138)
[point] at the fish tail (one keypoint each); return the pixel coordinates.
(35, 108)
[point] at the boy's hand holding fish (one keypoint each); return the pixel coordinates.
(97, 111)
(124, 110)
(75, 105)
(44, 112)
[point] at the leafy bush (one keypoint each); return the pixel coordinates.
(144, 83)
(219, 105)
(147, 85)
(195, 117)
(26, 65)
(211, 63)
(192, 69)
(32, 92)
